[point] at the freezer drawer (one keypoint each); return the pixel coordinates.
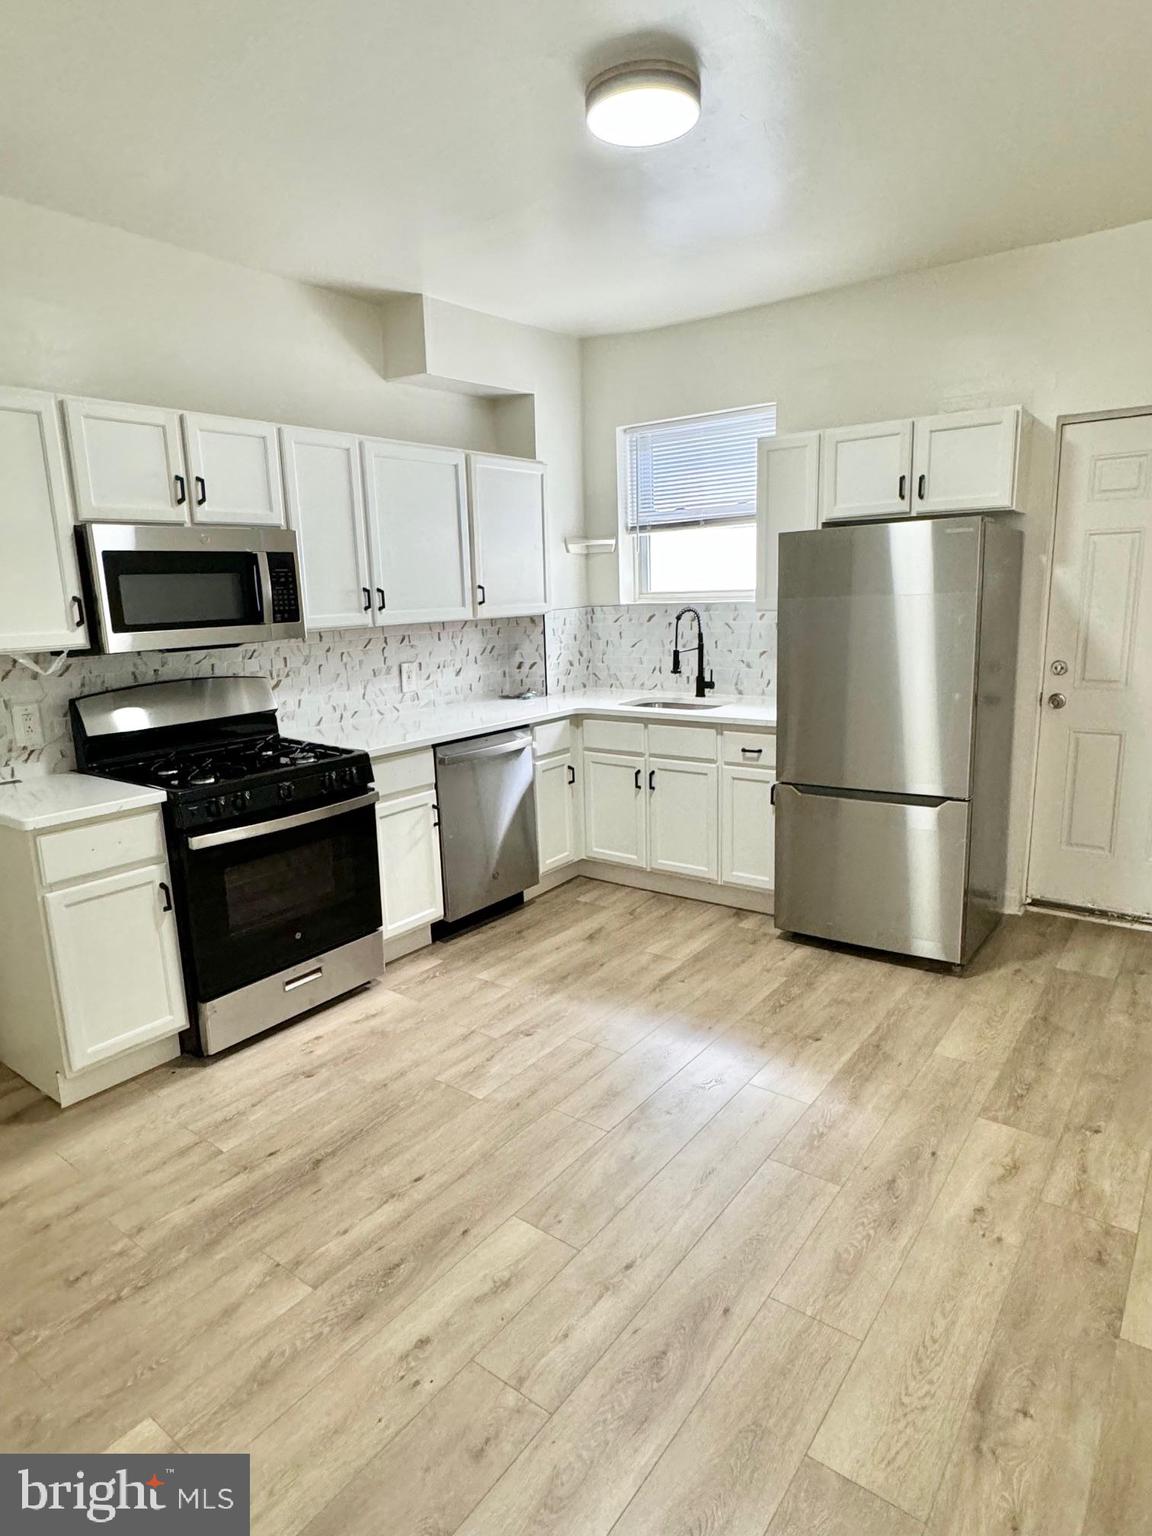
(874, 870)
(877, 656)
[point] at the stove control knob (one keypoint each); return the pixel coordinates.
(246, 797)
(285, 791)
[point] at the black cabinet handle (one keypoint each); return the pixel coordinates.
(483, 598)
(571, 774)
(201, 491)
(922, 486)
(751, 751)
(652, 780)
(367, 599)
(167, 907)
(903, 487)
(380, 595)
(772, 795)
(181, 490)
(436, 814)
(637, 778)
(77, 611)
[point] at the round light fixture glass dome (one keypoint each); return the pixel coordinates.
(650, 102)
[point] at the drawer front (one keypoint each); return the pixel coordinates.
(613, 735)
(404, 772)
(884, 873)
(751, 749)
(74, 853)
(691, 741)
(553, 736)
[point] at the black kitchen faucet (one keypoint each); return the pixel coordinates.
(703, 685)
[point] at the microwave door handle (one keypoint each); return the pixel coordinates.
(281, 824)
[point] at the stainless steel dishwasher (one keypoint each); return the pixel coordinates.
(487, 822)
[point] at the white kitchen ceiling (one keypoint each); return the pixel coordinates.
(441, 146)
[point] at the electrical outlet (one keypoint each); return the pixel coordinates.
(409, 677)
(27, 728)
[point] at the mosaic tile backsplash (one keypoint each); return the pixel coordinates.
(601, 647)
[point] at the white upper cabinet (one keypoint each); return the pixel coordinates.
(233, 471)
(966, 461)
(40, 605)
(127, 462)
(866, 471)
(324, 489)
(417, 532)
(787, 501)
(509, 547)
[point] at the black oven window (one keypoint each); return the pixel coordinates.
(279, 888)
(175, 590)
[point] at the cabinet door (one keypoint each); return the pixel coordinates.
(326, 508)
(682, 818)
(127, 462)
(556, 806)
(966, 461)
(409, 862)
(39, 583)
(417, 533)
(747, 828)
(787, 501)
(233, 471)
(509, 547)
(866, 471)
(615, 813)
(117, 963)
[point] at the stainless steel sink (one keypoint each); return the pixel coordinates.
(690, 704)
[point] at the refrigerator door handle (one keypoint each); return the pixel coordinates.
(881, 797)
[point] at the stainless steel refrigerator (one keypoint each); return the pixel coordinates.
(897, 660)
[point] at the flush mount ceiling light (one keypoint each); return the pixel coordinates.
(649, 102)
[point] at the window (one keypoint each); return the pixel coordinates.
(688, 502)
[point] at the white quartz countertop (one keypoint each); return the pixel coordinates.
(352, 727)
(55, 799)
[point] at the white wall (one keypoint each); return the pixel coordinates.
(1061, 328)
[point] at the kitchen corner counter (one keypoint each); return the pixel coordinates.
(363, 729)
(56, 799)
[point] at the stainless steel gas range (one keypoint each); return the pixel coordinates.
(271, 842)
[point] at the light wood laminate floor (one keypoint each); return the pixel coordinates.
(623, 1215)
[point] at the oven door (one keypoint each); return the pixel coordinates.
(163, 588)
(258, 899)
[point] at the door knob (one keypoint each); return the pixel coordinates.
(1056, 700)
(1059, 668)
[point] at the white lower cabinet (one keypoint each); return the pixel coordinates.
(117, 961)
(615, 809)
(410, 880)
(682, 818)
(557, 812)
(747, 828)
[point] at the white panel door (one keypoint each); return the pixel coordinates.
(966, 461)
(866, 471)
(233, 471)
(117, 963)
(409, 862)
(418, 532)
(40, 606)
(682, 818)
(127, 462)
(747, 828)
(615, 809)
(509, 540)
(325, 494)
(787, 501)
(1092, 819)
(556, 812)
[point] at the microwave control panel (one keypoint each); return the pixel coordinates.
(285, 584)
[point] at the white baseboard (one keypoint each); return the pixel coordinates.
(406, 943)
(107, 1074)
(677, 885)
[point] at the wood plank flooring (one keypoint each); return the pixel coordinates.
(623, 1215)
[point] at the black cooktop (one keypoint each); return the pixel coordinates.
(226, 763)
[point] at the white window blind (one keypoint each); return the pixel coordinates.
(699, 469)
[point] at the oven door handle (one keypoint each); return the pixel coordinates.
(281, 824)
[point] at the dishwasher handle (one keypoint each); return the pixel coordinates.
(496, 749)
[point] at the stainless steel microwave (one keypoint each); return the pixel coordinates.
(155, 588)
